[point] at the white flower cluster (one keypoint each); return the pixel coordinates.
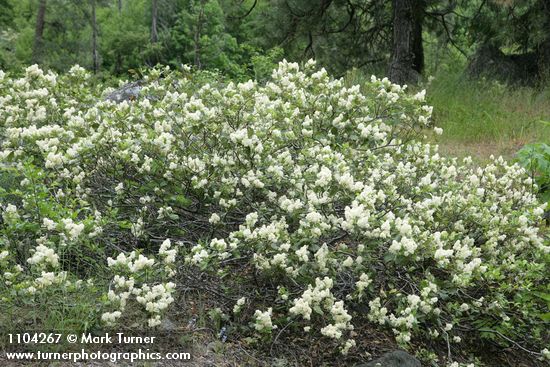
(320, 299)
(457, 364)
(44, 255)
(363, 282)
(133, 262)
(46, 279)
(263, 321)
(110, 318)
(155, 299)
(49, 224)
(167, 252)
(238, 306)
(10, 214)
(72, 229)
(4, 254)
(341, 320)
(313, 296)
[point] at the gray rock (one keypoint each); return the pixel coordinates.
(397, 358)
(167, 325)
(128, 92)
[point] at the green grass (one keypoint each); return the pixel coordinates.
(481, 118)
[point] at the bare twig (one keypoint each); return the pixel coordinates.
(277, 337)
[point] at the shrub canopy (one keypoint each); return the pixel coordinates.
(316, 205)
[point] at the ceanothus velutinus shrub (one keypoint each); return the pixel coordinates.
(324, 195)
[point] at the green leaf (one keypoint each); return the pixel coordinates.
(544, 296)
(181, 200)
(125, 224)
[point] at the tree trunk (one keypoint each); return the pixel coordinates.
(118, 61)
(154, 32)
(543, 49)
(197, 38)
(39, 32)
(95, 56)
(407, 62)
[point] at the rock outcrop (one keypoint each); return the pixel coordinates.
(128, 92)
(397, 358)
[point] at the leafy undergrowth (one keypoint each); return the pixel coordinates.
(299, 212)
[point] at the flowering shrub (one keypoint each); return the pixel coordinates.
(319, 204)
